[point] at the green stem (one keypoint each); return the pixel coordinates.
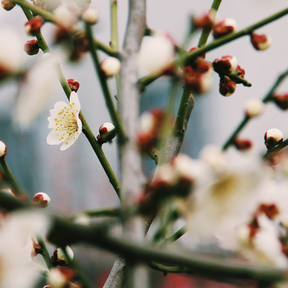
(16, 188)
(232, 138)
(279, 80)
(101, 156)
(103, 82)
(237, 79)
(276, 149)
(178, 234)
(169, 269)
(45, 253)
(206, 32)
(100, 46)
(36, 10)
(180, 121)
(226, 39)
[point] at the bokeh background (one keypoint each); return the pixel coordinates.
(74, 179)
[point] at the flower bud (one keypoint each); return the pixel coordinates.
(110, 66)
(196, 48)
(59, 258)
(242, 144)
(224, 28)
(73, 84)
(273, 137)
(226, 86)
(7, 5)
(33, 25)
(206, 21)
(253, 107)
(225, 64)
(104, 129)
(31, 47)
(281, 100)
(260, 42)
(3, 149)
(90, 15)
(41, 199)
(240, 71)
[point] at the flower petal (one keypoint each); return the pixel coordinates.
(67, 143)
(56, 137)
(74, 100)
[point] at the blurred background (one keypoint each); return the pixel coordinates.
(74, 179)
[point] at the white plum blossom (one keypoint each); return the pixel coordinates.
(17, 268)
(65, 123)
(156, 54)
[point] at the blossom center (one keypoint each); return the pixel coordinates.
(67, 120)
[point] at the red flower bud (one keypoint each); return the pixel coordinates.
(226, 86)
(273, 137)
(7, 5)
(281, 101)
(31, 47)
(41, 200)
(33, 25)
(73, 84)
(206, 21)
(224, 28)
(225, 64)
(242, 144)
(260, 42)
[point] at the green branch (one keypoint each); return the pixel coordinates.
(206, 32)
(103, 82)
(16, 188)
(276, 149)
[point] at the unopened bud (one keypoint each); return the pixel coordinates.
(110, 66)
(41, 199)
(225, 64)
(7, 5)
(242, 144)
(3, 149)
(31, 47)
(226, 86)
(273, 137)
(206, 21)
(260, 42)
(253, 107)
(240, 71)
(33, 25)
(104, 129)
(90, 15)
(73, 84)
(196, 48)
(59, 258)
(281, 100)
(224, 28)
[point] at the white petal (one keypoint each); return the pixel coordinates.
(54, 137)
(79, 123)
(76, 107)
(58, 106)
(66, 144)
